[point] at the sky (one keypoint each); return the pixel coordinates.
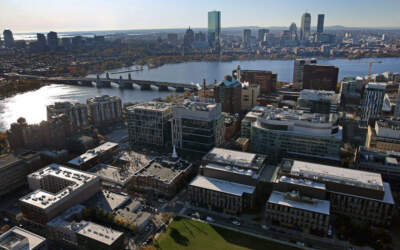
(84, 15)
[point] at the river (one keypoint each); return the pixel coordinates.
(32, 105)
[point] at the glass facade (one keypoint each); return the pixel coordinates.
(214, 26)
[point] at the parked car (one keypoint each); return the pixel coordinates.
(235, 222)
(209, 219)
(265, 227)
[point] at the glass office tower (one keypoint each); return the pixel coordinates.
(214, 27)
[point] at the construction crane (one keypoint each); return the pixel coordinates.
(370, 68)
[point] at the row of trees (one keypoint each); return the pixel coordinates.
(108, 218)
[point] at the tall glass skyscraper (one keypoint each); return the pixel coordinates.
(214, 27)
(320, 27)
(305, 26)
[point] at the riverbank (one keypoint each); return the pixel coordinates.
(15, 87)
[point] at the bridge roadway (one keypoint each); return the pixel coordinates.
(123, 83)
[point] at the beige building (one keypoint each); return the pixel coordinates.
(104, 109)
(77, 113)
(385, 135)
(250, 92)
(20, 239)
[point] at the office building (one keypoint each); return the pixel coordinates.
(77, 113)
(384, 135)
(266, 79)
(104, 110)
(18, 238)
(227, 181)
(293, 32)
(94, 156)
(200, 37)
(350, 92)
(292, 209)
(172, 38)
(279, 132)
(148, 123)
(250, 93)
(298, 71)
(372, 101)
(229, 94)
(320, 77)
(305, 30)
(41, 41)
(397, 108)
(77, 42)
(163, 175)
(8, 38)
(197, 125)
(188, 38)
(359, 195)
(261, 34)
(56, 189)
(14, 169)
(246, 38)
(52, 40)
(214, 27)
(320, 26)
(384, 162)
(318, 101)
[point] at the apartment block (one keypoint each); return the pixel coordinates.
(104, 110)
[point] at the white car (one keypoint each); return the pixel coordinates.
(330, 231)
(265, 227)
(299, 243)
(235, 222)
(209, 219)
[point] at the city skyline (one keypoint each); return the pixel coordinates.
(44, 15)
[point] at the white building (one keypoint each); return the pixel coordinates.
(77, 113)
(20, 239)
(250, 92)
(104, 109)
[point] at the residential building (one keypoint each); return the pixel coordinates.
(355, 194)
(384, 135)
(265, 79)
(298, 71)
(94, 156)
(77, 113)
(163, 175)
(250, 93)
(148, 123)
(320, 27)
(279, 132)
(320, 77)
(232, 125)
(227, 181)
(18, 238)
(104, 110)
(214, 27)
(318, 101)
(56, 189)
(297, 211)
(14, 168)
(197, 125)
(305, 30)
(8, 38)
(229, 94)
(372, 101)
(384, 162)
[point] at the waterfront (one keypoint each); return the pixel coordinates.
(32, 105)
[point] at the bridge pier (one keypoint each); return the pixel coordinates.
(103, 84)
(145, 87)
(179, 89)
(86, 83)
(163, 88)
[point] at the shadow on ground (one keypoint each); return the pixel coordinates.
(178, 237)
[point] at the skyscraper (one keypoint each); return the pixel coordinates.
(305, 26)
(52, 40)
(372, 102)
(247, 37)
(214, 27)
(8, 38)
(293, 31)
(261, 34)
(188, 38)
(320, 27)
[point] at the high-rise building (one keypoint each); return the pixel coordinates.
(320, 77)
(372, 101)
(298, 70)
(320, 27)
(250, 93)
(246, 37)
(148, 123)
(229, 94)
(200, 37)
(305, 29)
(318, 101)
(52, 40)
(214, 27)
(261, 34)
(188, 38)
(397, 108)
(293, 31)
(197, 125)
(266, 79)
(8, 38)
(41, 39)
(77, 113)
(104, 109)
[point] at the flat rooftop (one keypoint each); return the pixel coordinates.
(44, 199)
(97, 232)
(316, 95)
(345, 176)
(164, 170)
(107, 200)
(293, 200)
(234, 170)
(156, 106)
(19, 238)
(302, 182)
(92, 153)
(221, 186)
(235, 158)
(376, 85)
(9, 160)
(112, 174)
(134, 159)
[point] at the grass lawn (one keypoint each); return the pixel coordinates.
(188, 234)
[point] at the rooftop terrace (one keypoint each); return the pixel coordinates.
(234, 158)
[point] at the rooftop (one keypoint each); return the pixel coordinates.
(21, 239)
(234, 158)
(376, 85)
(221, 186)
(103, 98)
(112, 174)
(8, 160)
(294, 200)
(318, 95)
(345, 176)
(302, 182)
(230, 169)
(92, 153)
(97, 232)
(107, 200)
(157, 106)
(73, 180)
